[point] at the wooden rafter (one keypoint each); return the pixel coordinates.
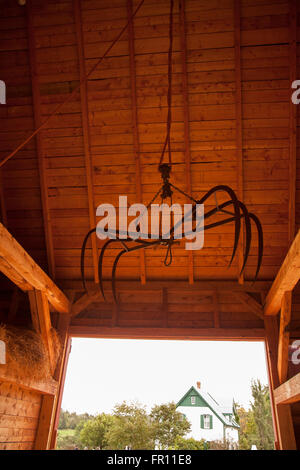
(286, 279)
(251, 304)
(18, 265)
(86, 131)
(136, 140)
(39, 142)
(292, 120)
(186, 120)
(239, 122)
(284, 336)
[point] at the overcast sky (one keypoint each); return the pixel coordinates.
(103, 372)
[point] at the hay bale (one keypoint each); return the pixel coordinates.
(26, 352)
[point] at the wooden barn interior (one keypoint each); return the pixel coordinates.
(84, 121)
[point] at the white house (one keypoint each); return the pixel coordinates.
(209, 420)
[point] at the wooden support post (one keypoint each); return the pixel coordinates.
(186, 120)
(39, 141)
(282, 418)
(45, 423)
(239, 124)
(60, 373)
(284, 336)
(42, 322)
(292, 119)
(50, 408)
(86, 132)
(135, 129)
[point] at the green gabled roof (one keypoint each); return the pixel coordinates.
(205, 399)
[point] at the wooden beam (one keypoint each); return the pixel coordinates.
(292, 119)
(86, 132)
(251, 304)
(186, 117)
(289, 391)
(18, 265)
(203, 285)
(286, 279)
(46, 386)
(197, 334)
(284, 336)
(35, 85)
(94, 294)
(136, 139)
(41, 320)
(13, 275)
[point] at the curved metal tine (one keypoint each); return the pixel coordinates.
(100, 263)
(236, 206)
(260, 242)
(248, 234)
(134, 248)
(82, 254)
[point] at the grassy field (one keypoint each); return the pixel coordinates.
(66, 432)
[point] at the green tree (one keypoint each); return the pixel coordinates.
(131, 426)
(93, 433)
(190, 444)
(168, 424)
(256, 424)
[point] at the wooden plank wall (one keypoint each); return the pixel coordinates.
(19, 413)
(211, 91)
(20, 177)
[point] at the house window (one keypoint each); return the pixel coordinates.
(193, 400)
(206, 421)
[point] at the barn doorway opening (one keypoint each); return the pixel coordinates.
(212, 383)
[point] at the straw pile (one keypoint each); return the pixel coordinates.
(26, 353)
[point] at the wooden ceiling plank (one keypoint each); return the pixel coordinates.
(17, 262)
(292, 120)
(284, 336)
(86, 131)
(239, 125)
(187, 151)
(216, 309)
(35, 85)
(286, 279)
(136, 139)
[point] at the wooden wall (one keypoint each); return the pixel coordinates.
(19, 413)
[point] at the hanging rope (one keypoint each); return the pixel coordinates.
(57, 109)
(169, 118)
